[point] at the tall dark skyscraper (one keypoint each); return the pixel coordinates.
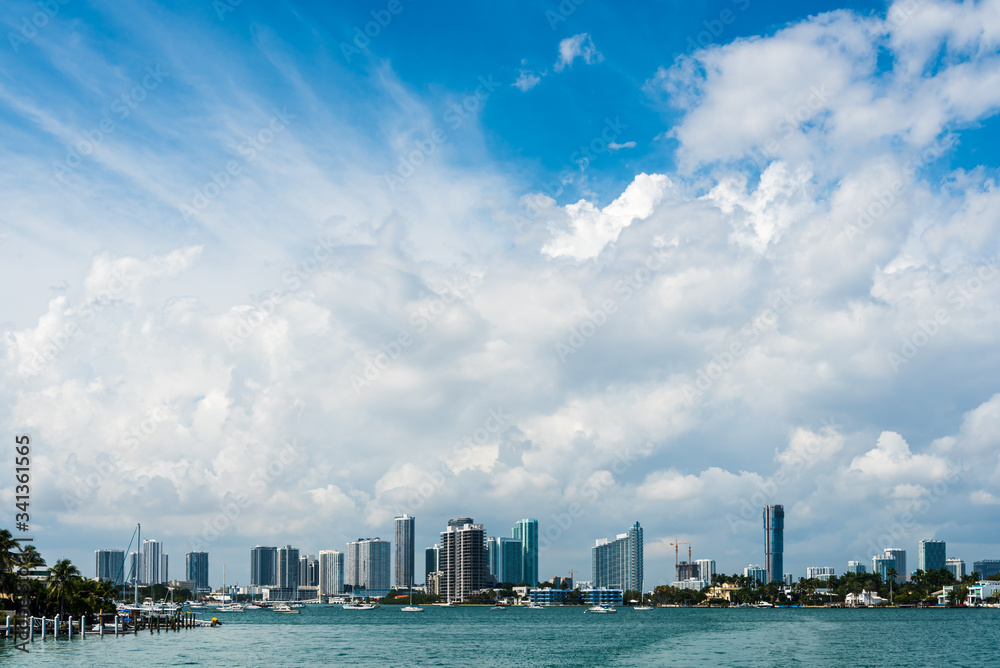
(263, 566)
(196, 570)
(774, 542)
(526, 531)
(405, 551)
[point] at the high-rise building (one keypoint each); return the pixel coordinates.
(956, 566)
(134, 567)
(855, 567)
(774, 542)
(264, 566)
(706, 569)
(308, 571)
(368, 566)
(526, 531)
(756, 572)
(331, 573)
(931, 555)
(900, 558)
(618, 563)
(881, 563)
(789, 579)
(506, 559)
(196, 570)
(153, 564)
(164, 571)
(288, 567)
(986, 567)
(405, 551)
(819, 572)
(110, 565)
(432, 560)
(463, 560)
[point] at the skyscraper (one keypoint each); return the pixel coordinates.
(110, 565)
(368, 565)
(774, 542)
(900, 558)
(432, 560)
(706, 569)
(196, 570)
(855, 567)
(618, 564)
(526, 531)
(931, 555)
(263, 566)
(331, 573)
(881, 564)
(405, 551)
(956, 566)
(133, 574)
(308, 571)
(986, 567)
(463, 559)
(820, 572)
(153, 564)
(288, 567)
(506, 559)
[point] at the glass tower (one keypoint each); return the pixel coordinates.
(618, 563)
(526, 531)
(110, 565)
(931, 555)
(774, 542)
(405, 554)
(263, 566)
(196, 570)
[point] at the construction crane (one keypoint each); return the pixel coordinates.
(677, 561)
(571, 576)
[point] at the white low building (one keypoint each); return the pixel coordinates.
(690, 583)
(866, 598)
(977, 592)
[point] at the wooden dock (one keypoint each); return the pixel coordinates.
(104, 624)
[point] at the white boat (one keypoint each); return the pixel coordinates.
(601, 609)
(232, 607)
(285, 609)
(447, 604)
(359, 606)
(642, 608)
(535, 606)
(296, 605)
(499, 606)
(410, 607)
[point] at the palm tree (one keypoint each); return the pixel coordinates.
(31, 557)
(62, 580)
(8, 562)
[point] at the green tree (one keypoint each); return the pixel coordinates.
(63, 577)
(9, 550)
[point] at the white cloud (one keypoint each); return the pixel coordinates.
(526, 80)
(577, 46)
(615, 146)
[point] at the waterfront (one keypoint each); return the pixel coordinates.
(466, 636)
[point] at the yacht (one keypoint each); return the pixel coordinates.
(534, 606)
(285, 609)
(410, 607)
(601, 609)
(499, 606)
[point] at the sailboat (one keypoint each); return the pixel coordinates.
(410, 607)
(358, 606)
(228, 607)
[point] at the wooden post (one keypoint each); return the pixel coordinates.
(31, 629)
(43, 627)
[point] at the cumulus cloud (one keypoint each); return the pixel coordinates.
(577, 46)
(526, 80)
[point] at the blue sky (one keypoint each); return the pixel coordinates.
(699, 255)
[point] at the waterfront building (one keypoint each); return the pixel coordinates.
(264, 566)
(856, 567)
(881, 563)
(931, 555)
(433, 585)
(505, 557)
(308, 571)
(196, 570)
(956, 566)
(691, 583)
(756, 572)
(705, 569)
(613, 597)
(723, 591)
(618, 563)
(287, 567)
(405, 551)
(986, 568)
(685, 571)
(977, 592)
(153, 563)
(331, 573)
(368, 566)
(464, 564)
(819, 572)
(526, 531)
(899, 556)
(432, 559)
(774, 542)
(110, 565)
(865, 598)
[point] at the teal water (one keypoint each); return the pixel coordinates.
(329, 635)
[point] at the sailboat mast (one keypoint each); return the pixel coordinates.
(138, 545)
